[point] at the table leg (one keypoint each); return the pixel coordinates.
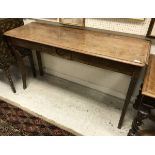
(7, 73)
(22, 68)
(138, 99)
(127, 100)
(142, 113)
(38, 54)
(31, 60)
(20, 62)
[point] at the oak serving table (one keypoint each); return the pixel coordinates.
(122, 54)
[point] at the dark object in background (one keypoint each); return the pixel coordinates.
(145, 102)
(10, 55)
(151, 29)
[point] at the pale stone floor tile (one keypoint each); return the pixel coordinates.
(70, 106)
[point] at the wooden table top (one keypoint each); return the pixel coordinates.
(149, 81)
(124, 49)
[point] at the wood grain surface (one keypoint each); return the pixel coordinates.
(124, 49)
(149, 81)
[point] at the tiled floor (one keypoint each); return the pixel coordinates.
(75, 108)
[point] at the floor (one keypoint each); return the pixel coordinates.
(16, 122)
(70, 106)
(8, 130)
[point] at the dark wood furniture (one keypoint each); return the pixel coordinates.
(150, 29)
(6, 60)
(10, 55)
(145, 101)
(118, 53)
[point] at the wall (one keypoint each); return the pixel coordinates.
(109, 82)
(129, 26)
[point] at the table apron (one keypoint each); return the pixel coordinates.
(103, 63)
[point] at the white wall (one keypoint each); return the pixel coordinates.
(109, 82)
(124, 25)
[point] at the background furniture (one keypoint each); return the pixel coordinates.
(151, 29)
(6, 60)
(145, 102)
(9, 54)
(73, 21)
(118, 53)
